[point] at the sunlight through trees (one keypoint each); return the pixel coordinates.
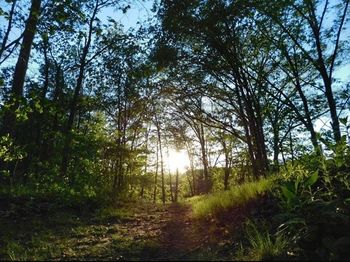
(219, 104)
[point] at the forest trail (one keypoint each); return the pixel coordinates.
(182, 234)
(178, 235)
(41, 230)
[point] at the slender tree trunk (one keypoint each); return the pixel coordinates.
(190, 184)
(146, 162)
(190, 156)
(261, 136)
(8, 30)
(309, 126)
(171, 187)
(291, 147)
(74, 102)
(177, 185)
(161, 161)
(204, 157)
(156, 175)
(332, 109)
(227, 172)
(248, 135)
(227, 168)
(39, 116)
(276, 148)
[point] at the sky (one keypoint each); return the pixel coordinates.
(138, 12)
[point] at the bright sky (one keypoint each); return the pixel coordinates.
(138, 12)
(177, 160)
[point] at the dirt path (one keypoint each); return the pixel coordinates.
(147, 232)
(181, 236)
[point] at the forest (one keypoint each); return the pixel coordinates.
(151, 130)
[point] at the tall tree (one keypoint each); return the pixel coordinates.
(21, 67)
(319, 43)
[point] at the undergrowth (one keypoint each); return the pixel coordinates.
(222, 201)
(261, 244)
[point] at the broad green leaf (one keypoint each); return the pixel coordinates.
(312, 179)
(289, 195)
(291, 186)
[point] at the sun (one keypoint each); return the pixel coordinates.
(177, 160)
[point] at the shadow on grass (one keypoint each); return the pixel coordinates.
(49, 229)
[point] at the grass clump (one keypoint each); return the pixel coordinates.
(223, 201)
(113, 214)
(262, 245)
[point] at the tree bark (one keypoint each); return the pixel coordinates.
(161, 160)
(171, 187)
(176, 185)
(156, 176)
(74, 102)
(8, 30)
(21, 67)
(23, 58)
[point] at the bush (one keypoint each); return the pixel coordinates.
(316, 206)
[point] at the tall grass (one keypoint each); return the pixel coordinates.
(262, 245)
(223, 201)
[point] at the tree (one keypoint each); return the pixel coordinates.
(7, 47)
(21, 66)
(318, 43)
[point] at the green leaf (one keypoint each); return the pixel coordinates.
(343, 120)
(289, 195)
(293, 221)
(296, 185)
(312, 179)
(291, 186)
(318, 136)
(339, 161)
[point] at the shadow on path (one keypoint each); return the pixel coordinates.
(182, 234)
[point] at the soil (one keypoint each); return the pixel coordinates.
(37, 230)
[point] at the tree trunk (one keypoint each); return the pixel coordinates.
(247, 134)
(74, 102)
(21, 68)
(24, 53)
(156, 176)
(161, 160)
(8, 30)
(291, 147)
(204, 157)
(190, 184)
(177, 185)
(171, 187)
(146, 163)
(276, 148)
(332, 109)
(190, 156)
